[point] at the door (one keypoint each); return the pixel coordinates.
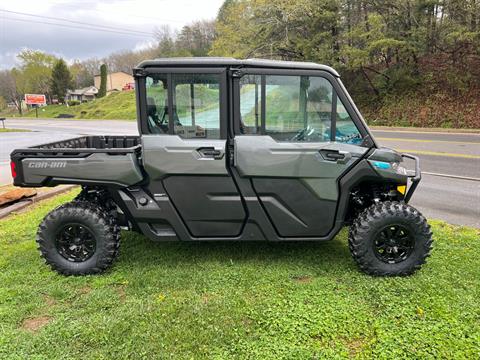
(295, 137)
(184, 149)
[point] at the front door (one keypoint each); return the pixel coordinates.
(184, 149)
(295, 137)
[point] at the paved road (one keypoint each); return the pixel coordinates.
(450, 188)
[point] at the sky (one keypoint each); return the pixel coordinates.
(126, 24)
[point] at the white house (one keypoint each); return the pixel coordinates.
(85, 94)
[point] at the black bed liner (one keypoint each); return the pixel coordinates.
(94, 142)
(117, 144)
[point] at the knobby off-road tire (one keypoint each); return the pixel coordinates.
(390, 239)
(75, 225)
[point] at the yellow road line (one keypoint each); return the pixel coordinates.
(474, 132)
(428, 141)
(434, 153)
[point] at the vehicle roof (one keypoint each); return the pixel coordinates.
(226, 61)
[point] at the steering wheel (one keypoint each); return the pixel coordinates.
(306, 133)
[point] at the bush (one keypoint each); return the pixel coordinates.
(73, 102)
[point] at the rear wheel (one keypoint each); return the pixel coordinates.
(390, 239)
(78, 238)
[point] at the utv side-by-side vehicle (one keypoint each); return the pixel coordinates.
(233, 150)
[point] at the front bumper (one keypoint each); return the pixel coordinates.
(415, 178)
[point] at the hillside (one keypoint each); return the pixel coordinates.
(119, 105)
(417, 108)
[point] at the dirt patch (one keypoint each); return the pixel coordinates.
(85, 290)
(354, 346)
(208, 297)
(49, 301)
(302, 279)
(36, 323)
(122, 296)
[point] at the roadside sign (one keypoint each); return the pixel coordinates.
(35, 99)
(128, 86)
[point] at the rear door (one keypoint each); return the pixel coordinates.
(184, 145)
(295, 137)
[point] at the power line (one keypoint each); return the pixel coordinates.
(76, 22)
(74, 26)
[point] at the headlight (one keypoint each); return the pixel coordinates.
(401, 170)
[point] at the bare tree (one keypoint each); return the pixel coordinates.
(9, 89)
(197, 38)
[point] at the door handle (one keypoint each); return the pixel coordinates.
(210, 153)
(341, 157)
(335, 156)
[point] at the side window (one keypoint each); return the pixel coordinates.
(157, 105)
(196, 102)
(250, 109)
(297, 109)
(346, 130)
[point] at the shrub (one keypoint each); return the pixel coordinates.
(73, 102)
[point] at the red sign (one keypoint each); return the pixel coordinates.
(128, 86)
(35, 99)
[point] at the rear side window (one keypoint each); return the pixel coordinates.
(296, 109)
(194, 101)
(157, 104)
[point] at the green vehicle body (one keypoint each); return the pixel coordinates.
(236, 186)
(232, 150)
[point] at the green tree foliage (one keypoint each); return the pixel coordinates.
(31, 76)
(61, 80)
(194, 39)
(381, 47)
(36, 68)
(103, 81)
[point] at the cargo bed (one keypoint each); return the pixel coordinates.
(95, 160)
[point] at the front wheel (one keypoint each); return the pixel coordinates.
(78, 238)
(390, 239)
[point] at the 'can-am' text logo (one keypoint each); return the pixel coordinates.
(46, 164)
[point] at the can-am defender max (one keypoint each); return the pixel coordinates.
(231, 150)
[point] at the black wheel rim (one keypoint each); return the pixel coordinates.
(393, 244)
(75, 242)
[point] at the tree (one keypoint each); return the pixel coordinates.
(12, 87)
(36, 68)
(3, 103)
(81, 75)
(165, 37)
(126, 60)
(84, 71)
(103, 81)
(196, 38)
(61, 80)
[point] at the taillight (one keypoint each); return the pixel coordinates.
(12, 168)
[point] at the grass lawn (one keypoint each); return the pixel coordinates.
(119, 105)
(237, 300)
